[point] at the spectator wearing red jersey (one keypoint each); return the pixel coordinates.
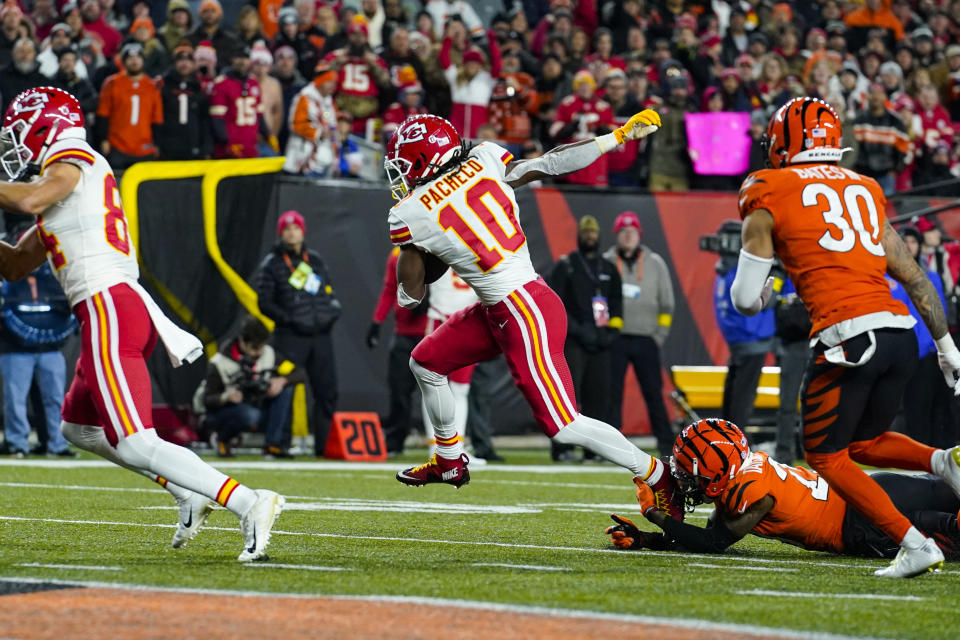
(622, 163)
(95, 24)
(934, 130)
(409, 327)
(43, 16)
(603, 50)
(580, 116)
(471, 85)
(130, 107)
(363, 75)
(236, 111)
(211, 30)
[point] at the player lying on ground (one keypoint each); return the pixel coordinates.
(828, 226)
(457, 209)
(753, 493)
(81, 229)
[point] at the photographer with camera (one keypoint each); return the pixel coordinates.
(749, 338)
(244, 390)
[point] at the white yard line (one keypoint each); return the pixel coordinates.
(83, 567)
(474, 543)
(547, 612)
(741, 567)
(828, 596)
(301, 567)
(531, 567)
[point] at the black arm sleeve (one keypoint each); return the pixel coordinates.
(218, 127)
(713, 539)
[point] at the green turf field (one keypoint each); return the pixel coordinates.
(514, 535)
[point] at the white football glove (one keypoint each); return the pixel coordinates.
(948, 357)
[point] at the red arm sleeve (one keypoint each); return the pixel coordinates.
(495, 58)
(388, 295)
(444, 56)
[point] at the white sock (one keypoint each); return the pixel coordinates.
(180, 465)
(440, 405)
(607, 442)
(93, 439)
(913, 539)
(461, 405)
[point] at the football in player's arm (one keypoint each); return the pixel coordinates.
(33, 198)
(415, 270)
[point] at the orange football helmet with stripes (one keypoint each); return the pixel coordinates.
(35, 120)
(804, 130)
(706, 455)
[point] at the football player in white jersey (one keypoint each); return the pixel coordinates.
(457, 209)
(81, 229)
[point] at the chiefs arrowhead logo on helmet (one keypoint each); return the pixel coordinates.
(35, 120)
(419, 150)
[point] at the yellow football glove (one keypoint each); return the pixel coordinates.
(274, 143)
(639, 126)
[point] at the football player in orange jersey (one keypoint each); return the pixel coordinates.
(754, 493)
(828, 227)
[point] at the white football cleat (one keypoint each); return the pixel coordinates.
(256, 524)
(913, 562)
(193, 513)
(946, 464)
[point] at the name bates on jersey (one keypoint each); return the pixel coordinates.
(468, 219)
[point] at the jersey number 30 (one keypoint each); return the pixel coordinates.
(833, 215)
(507, 239)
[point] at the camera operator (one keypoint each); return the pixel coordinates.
(244, 390)
(749, 338)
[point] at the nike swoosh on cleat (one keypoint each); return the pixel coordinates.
(253, 547)
(189, 521)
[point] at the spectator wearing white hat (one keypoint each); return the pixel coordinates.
(647, 315)
(48, 58)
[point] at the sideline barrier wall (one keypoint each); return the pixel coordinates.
(202, 228)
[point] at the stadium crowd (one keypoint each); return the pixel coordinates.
(319, 81)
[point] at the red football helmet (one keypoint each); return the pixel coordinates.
(804, 130)
(417, 151)
(706, 455)
(35, 120)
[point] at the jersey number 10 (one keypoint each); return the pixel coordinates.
(507, 239)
